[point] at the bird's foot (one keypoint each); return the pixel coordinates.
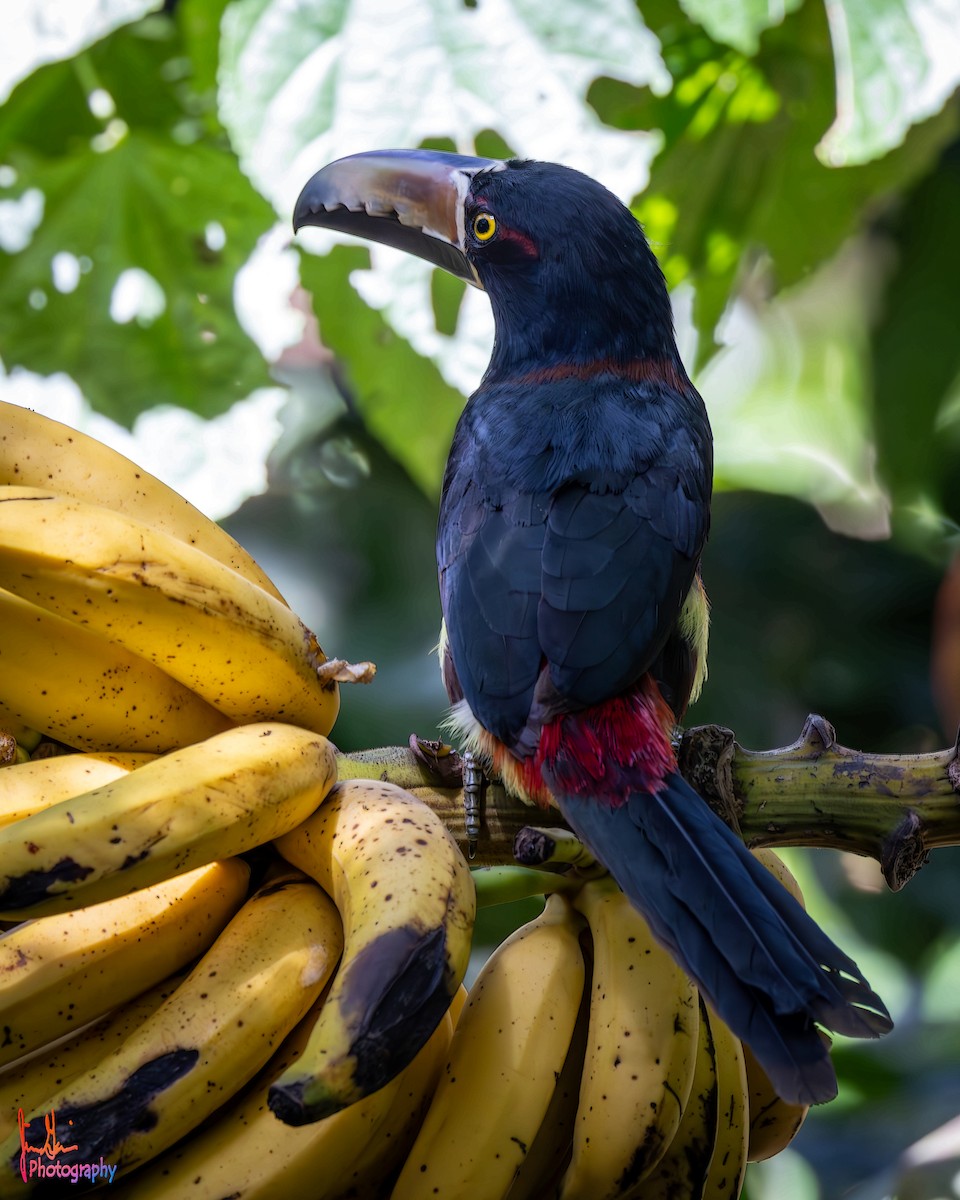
(472, 799)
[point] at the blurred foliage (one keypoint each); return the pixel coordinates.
(797, 168)
(147, 191)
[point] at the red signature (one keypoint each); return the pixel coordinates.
(51, 1147)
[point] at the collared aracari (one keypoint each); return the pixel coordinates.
(575, 505)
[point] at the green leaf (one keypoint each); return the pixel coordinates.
(738, 23)
(897, 62)
(401, 395)
(199, 22)
(44, 31)
(126, 283)
(302, 85)
(746, 130)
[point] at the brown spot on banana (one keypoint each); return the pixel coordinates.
(31, 887)
(97, 1128)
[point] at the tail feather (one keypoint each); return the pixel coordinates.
(807, 968)
(761, 962)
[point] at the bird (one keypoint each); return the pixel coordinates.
(574, 510)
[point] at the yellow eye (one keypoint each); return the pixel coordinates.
(484, 226)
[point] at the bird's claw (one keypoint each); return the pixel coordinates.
(472, 800)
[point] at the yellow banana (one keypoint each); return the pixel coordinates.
(210, 800)
(92, 694)
(728, 1163)
(36, 451)
(779, 869)
(408, 904)
(57, 973)
(457, 1004)
(247, 1154)
(31, 786)
(384, 1153)
(505, 1058)
(681, 1174)
(548, 1155)
(26, 1083)
(773, 1122)
(204, 1043)
(641, 1051)
(220, 635)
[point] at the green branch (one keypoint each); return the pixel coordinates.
(895, 808)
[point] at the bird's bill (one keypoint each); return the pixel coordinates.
(410, 199)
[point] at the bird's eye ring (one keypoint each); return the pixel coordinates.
(484, 226)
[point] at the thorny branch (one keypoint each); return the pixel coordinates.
(895, 808)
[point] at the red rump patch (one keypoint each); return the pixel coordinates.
(611, 750)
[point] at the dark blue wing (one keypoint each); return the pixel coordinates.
(561, 576)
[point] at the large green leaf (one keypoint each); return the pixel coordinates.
(43, 31)
(126, 282)
(897, 62)
(304, 84)
(738, 23)
(746, 131)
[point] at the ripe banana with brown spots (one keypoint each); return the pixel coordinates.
(211, 800)
(408, 904)
(548, 1155)
(204, 1043)
(91, 693)
(681, 1174)
(728, 1163)
(42, 782)
(774, 1123)
(247, 1154)
(58, 972)
(27, 1082)
(226, 639)
(36, 451)
(507, 1053)
(640, 1056)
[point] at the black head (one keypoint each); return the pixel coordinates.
(568, 270)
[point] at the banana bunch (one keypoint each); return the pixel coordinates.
(586, 1066)
(205, 1041)
(246, 1152)
(207, 942)
(161, 1025)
